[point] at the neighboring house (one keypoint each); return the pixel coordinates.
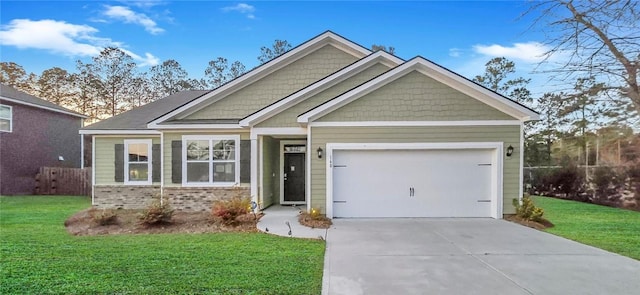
(329, 124)
(34, 133)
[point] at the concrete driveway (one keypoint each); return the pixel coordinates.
(467, 256)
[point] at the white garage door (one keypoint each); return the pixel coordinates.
(412, 183)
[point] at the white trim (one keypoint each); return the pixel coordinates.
(431, 70)
(161, 168)
(10, 118)
(521, 152)
(308, 164)
(211, 138)
(282, 144)
(255, 132)
(253, 177)
(268, 68)
(149, 143)
(260, 168)
(119, 132)
(193, 126)
(329, 81)
(497, 147)
(93, 170)
(42, 107)
(415, 123)
(81, 150)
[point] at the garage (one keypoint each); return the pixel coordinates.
(434, 182)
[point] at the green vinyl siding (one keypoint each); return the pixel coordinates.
(415, 97)
(271, 173)
(287, 80)
(509, 135)
(289, 117)
(105, 157)
(171, 136)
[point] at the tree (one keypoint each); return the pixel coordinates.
(114, 71)
(56, 85)
(14, 75)
(538, 145)
(390, 49)
(219, 72)
(497, 71)
(87, 85)
(278, 48)
(602, 39)
(168, 78)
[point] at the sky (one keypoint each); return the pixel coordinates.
(461, 36)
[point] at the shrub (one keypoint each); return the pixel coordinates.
(156, 213)
(314, 219)
(103, 217)
(228, 210)
(528, 210)
(568, 180)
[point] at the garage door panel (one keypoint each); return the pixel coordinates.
(446, 183)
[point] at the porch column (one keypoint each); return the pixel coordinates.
(254, 169)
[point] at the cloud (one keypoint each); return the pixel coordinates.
(455, 52)
(63, 38)
(242, 8)
(531, 52)
(126, 15)
(56, 36)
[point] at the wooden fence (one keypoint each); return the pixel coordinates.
(63, 181)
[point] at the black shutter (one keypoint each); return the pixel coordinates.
(119, 162)
(245, 161)
(155, 163)
(176, 161)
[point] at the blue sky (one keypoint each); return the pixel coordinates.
(459, 35)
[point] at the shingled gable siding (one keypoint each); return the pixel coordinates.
(415, 97)
(510, 135)
(295, 76)
(288, 118)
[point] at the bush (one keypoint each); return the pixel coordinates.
(228, 210)
(103, 217)
(569, 181)
(528, 210)
(314, 219)
(156, 213)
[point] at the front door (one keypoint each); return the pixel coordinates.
(294, 178)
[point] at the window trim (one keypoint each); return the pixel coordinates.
(10, 118)
(210, 161)
(149, 143)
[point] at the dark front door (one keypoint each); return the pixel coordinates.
(294, 175)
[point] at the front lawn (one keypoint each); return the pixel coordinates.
(37, 256)
(608, 228)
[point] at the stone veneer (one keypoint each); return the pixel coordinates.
(180, 198)
(201, 198)
(124, 196)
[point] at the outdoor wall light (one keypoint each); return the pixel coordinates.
(319, 152)
(509, 151)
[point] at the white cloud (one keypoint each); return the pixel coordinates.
(455, 52)
(242, 8)
(531, 52)
(125, 14)
(62, 38)
(56, 36)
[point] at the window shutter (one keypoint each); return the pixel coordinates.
(245, 161)
(119, 162)
(155, 163)
(176, 161)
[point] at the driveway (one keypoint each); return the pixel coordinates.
(467, 256)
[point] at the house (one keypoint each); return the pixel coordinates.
(34, 133)
(329, 124)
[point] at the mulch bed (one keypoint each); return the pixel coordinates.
(318, 222)
(537, 225)
(82, 224)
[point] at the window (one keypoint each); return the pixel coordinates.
(137, 161)
(210, 160)
(6, 118)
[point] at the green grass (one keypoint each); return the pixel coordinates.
(37, 256)
(611, 229)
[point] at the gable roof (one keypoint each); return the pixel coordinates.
(435, 72)
(11, 94)
(263, 70)
(325, 83)
(138, 118)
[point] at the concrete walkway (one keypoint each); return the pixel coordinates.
(276, 218)
(466, 256)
